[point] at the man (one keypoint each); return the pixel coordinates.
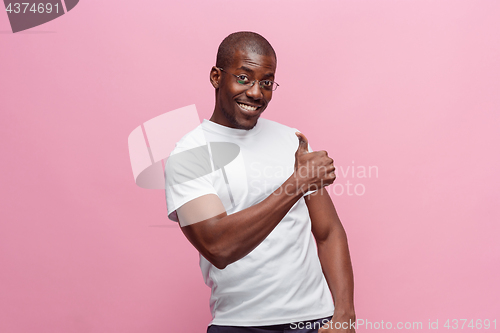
(250, 213)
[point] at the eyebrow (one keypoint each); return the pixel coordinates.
(268, 75)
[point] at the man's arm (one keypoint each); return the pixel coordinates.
(223, 239)
(333, 253)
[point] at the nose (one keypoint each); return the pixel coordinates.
(254, 91)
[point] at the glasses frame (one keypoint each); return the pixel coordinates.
(251, 84)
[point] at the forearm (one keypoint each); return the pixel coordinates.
(228, 238)
(335, 260)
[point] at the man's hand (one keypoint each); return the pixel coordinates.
(340, 324)
(313, 170)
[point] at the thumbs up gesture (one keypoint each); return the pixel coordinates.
(313, 170)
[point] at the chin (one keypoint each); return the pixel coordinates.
(247, 125)
(244, 123)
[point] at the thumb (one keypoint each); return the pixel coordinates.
(303, 148)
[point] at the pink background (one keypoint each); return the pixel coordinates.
(411, 87)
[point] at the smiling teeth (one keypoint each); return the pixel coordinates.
(247, 107)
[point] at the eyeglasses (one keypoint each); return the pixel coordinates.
(243, 79)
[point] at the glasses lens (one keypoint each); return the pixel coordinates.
(268, 85)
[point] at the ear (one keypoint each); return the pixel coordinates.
(215, 75)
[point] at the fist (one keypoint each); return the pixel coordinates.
(313, 170)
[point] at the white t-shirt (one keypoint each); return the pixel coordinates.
(281, 280)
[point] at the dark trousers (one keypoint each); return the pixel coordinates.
(307, 326)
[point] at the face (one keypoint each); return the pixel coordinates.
(236, 105)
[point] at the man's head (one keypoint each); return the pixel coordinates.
(242, 57)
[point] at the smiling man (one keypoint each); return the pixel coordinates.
(272, 248)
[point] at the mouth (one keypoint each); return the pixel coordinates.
(248, 109)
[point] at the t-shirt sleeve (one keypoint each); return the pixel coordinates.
(188, 175)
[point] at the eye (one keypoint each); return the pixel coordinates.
(242, 79)
(266, 84)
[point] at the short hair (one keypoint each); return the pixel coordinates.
(242, 40)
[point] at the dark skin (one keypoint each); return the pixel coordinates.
(223, 239)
